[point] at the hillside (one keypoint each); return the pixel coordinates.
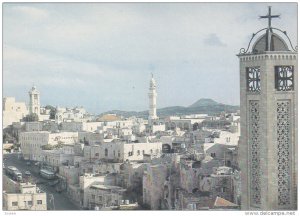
(202, 106)
(204, 102)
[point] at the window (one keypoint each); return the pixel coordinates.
(100, 198)
(14, 203)
(213, 155)
(29, 203)
(284, 78)
(253, 79)
(119, 154)
(138, 152)
(143, 152)
(106, 152)
(114, 153)
(151, 151)
(93, 196)
(97, 154)
(39, 202)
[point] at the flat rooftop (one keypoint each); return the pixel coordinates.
(107, 187)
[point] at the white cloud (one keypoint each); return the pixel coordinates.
(213, 40)
(31, 12)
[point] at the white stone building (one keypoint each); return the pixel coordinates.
(87, 180)
(121, 151)
(221, 183)
(32, 142)
(103, 196)
(13, 111)
(33, 126)
(26, 197)
(182, 123)
(81, 126)
(153, 184)
(91, 138)
(133, 174)
(157, 127)
(56, 158)
(70, 174)
(69, 115)
(138, 128)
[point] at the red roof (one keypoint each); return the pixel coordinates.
(220, 202)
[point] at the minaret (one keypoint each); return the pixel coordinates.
(268, 141)
(34, 101)
(152, 100)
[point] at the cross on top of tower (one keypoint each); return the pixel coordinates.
(269, 16)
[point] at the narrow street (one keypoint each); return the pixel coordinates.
(61, 201)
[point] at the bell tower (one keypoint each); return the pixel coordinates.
(268, 142)
(34, 101)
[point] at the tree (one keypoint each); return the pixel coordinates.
(47, 147)
(52, 111)
(195, 126)
(31, 117)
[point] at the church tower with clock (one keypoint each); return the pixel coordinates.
(268, 144)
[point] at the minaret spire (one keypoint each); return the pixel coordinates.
(152, 99)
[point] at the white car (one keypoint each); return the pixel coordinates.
(27, 173)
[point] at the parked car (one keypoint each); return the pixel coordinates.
(27, 173)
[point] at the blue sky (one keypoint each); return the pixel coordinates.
(101, 55)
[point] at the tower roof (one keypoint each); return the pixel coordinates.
(33, 90)
(269, 41)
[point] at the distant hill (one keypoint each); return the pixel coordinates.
(204, 102)
(202, 106)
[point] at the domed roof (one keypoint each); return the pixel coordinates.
(276, 43)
